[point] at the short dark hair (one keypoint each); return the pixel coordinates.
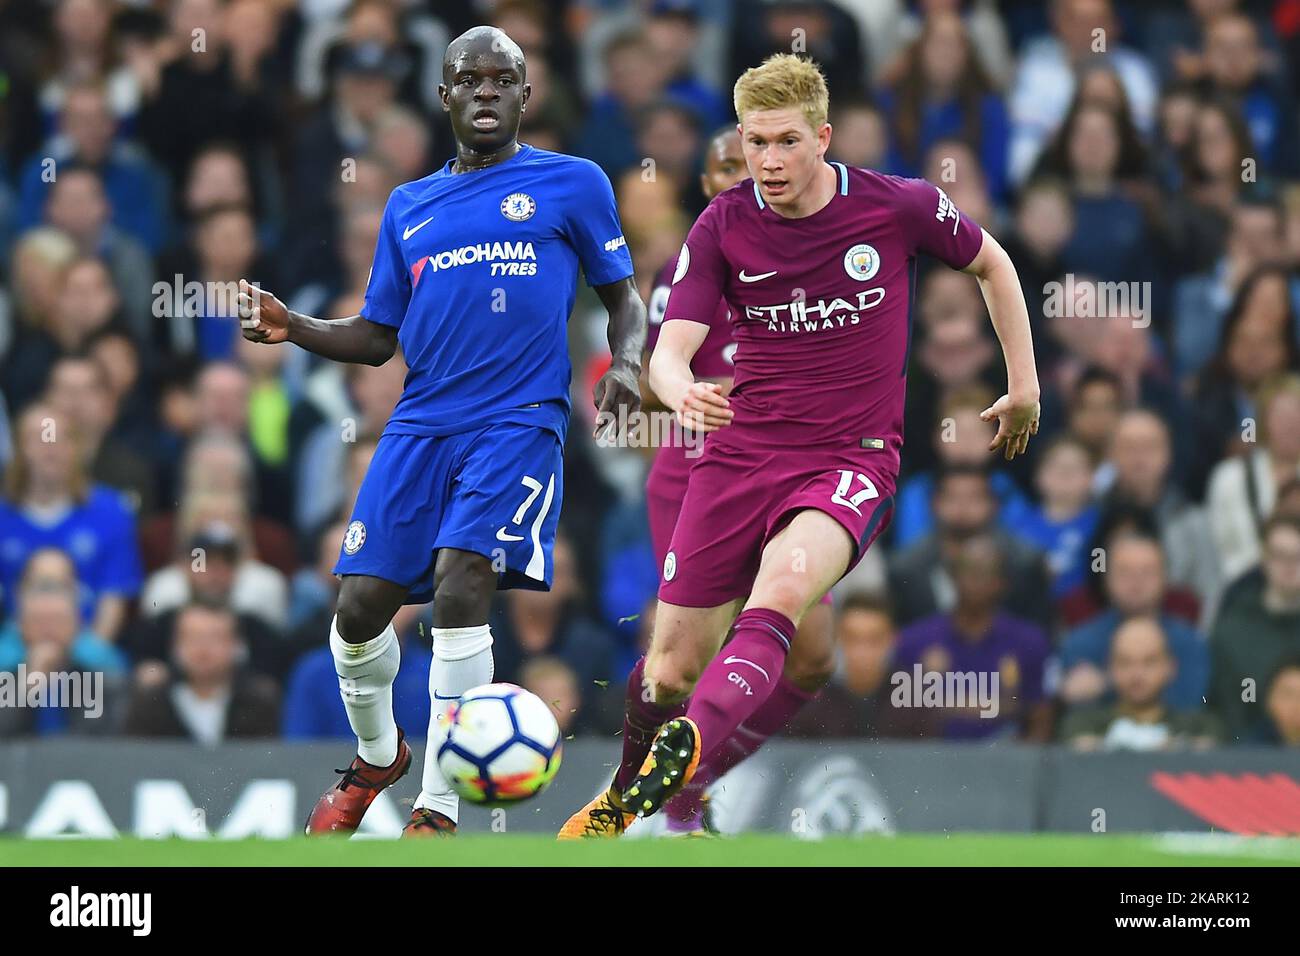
(871, 601)
(959, 470)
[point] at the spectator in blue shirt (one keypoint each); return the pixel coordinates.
(136, 190)
(960, 439)
(49, 502)
(1235, 66)
(634, 80)
(51, 570)
(59, 661)
(1135, 585)
(1064, 521)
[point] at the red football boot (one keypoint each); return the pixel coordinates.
(428, 823)
(341, 807)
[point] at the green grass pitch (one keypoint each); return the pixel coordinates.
(966, 849)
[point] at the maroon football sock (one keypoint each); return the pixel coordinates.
(786, 700)
(742, 676)
(642, 719)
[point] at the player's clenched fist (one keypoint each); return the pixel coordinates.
(704, 408)
(262, 316)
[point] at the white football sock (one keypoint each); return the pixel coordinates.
(462, 658)
(366, 673)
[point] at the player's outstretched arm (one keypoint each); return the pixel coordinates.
(265, 319)
(621, 385)
(699, 405)
(1016, 411)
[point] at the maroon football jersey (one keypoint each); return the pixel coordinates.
(820, 306)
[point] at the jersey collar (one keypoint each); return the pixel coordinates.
(840, 168)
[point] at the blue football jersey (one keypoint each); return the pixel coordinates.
(478, 272)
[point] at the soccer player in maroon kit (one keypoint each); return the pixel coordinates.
(812, 658)
(816, 262)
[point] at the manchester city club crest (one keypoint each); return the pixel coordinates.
(354, 538)
(518, 206)
(861, 262)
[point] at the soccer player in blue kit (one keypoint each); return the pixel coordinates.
(475, 274)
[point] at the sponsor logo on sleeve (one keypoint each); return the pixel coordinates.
(683, 263)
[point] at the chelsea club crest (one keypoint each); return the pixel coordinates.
(518, 206)
(354, 538)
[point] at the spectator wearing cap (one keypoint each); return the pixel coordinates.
(978, 639)
(215, 562)
(1135, 585)
(219, 463)
(921, 581)
(51, 642)
(1141, 669)
(205, 694)
(49, 501)
(1256, 628)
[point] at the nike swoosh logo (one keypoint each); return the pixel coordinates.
(762, 275)
(408, 233)
(741, 660)
(503, 535)
(440, 697)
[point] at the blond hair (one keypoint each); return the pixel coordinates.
(784, 81)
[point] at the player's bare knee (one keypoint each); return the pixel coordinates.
(463, 595)
(360, 615)
(784, 595)
(668, 682)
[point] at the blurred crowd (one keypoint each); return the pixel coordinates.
(174, 497)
